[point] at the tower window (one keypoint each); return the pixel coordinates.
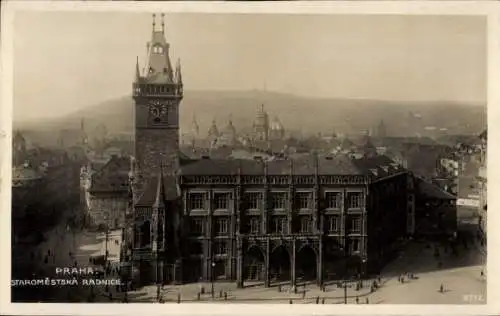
(157, 49)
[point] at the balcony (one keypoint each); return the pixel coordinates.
(155, 90)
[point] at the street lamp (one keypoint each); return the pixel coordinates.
(213, 278)
(107, 238)
(345, 275)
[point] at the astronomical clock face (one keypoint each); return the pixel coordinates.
(158, 110)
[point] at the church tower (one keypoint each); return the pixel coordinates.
(157, 92)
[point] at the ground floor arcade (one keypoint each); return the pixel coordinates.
(263, 259)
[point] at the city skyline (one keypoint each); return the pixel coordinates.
(419, 54)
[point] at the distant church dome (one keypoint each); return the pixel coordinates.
(276, 129)
(229, 130)
(276, 125)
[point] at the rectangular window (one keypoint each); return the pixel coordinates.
(332, 199)
(305, 224)
(220, 248)
(253, 200)
(279, 200)
(304, 200)
(221, 201)
(196, 226)
(354, 245)
(333, 224)
(355, 200)
(196, 201)
(254, 225)
(221, 226)
(355, 224)
(279, 225)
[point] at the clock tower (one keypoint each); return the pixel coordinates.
(157, 92)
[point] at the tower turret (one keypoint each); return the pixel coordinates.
(157, 96)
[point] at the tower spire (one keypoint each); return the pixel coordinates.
(178, 71)
(137, 71)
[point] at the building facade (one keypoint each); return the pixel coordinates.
(106, 192)
(483, 186)
(310, 218)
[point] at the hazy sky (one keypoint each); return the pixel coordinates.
(68, 60)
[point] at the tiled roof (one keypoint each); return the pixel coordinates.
(169, 190)
(429, 190)
(113, 176)
(378, 166)
(303, 165)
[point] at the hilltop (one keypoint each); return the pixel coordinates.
(310, 115)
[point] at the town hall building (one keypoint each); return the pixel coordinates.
(311, 218)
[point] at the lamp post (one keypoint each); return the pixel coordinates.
(106, 241)
(344, 249)
(212, 278)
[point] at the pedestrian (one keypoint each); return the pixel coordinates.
(323, 300)
(357, 300)
(367, 301)
(198, 296)
(441, 288)
(110, 296)
(482, 273)
(317, 299)
(225, 296)
(290, 302)
(303, 294)
(379, 279)
(178, 298)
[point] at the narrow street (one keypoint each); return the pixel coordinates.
(67, 247)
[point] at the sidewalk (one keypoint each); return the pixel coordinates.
(188, 293)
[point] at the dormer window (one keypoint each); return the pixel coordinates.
(157, 49)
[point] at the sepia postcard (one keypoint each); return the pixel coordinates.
(221, 158)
